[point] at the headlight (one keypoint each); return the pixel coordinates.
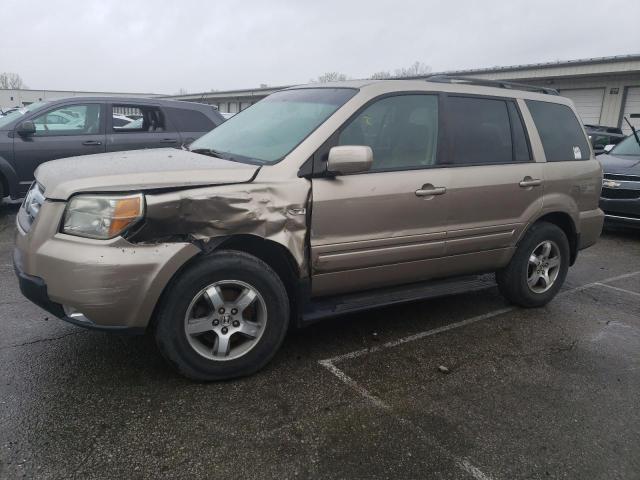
(102, 216)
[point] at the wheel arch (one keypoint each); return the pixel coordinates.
(8, 179)
(565, 222)
(272, 253)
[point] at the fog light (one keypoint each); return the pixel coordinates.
(74, 314)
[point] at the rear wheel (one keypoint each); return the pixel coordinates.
(224, 317)
(538, 268)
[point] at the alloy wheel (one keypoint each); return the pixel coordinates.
(225, 320)
(544, 266)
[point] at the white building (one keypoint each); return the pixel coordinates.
(23, 97)
(603, 89)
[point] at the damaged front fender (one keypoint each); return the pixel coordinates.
(274, 210)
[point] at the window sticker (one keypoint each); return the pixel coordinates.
(577, 154)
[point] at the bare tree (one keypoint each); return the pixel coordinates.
(330, 77)
(415, 70)
(382, 75)
(10, 80)
(182, 91)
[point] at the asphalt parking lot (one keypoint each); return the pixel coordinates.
(547, 393)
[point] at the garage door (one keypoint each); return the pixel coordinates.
(631, 105)
(588, 102)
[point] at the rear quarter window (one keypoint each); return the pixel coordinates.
(560, 132)
(190, 120)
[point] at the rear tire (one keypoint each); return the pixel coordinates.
(224, 317)
(538, 268)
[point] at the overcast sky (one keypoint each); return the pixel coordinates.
(163, 46)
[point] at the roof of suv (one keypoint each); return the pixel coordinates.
(448, 84)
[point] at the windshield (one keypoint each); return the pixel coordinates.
(4, 121)
(628, 146)
(267, 131)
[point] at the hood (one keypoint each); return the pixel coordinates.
(138, 170)
(620, 165)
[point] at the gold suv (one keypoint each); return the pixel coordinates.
(318, 200)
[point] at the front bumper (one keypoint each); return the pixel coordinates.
(621, 211)
(109, 285)
(34, 289)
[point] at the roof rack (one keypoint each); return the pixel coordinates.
(491, 83)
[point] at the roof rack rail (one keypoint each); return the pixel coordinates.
(491, 83)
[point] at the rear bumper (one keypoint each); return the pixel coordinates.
(591, 223)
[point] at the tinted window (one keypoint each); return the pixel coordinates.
(69, 120)
(190, 120)
(561, 134)
(401, 130)
(480, 131)
(520, 146)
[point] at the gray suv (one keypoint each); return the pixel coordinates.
(74, 126)
(316, 201)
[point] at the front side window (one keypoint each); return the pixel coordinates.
(267, 131)
(480, 132)
(69, 120)
(401, 130)
(560, 132)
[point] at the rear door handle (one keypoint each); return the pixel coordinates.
(429, 190)
(92, 142)
(530, 182)
(168, 140)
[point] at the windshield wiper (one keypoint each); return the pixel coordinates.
(635, 132)
(211, 152)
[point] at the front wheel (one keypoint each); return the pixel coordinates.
(224, 317)
(538, 268)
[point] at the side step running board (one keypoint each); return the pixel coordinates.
(381, 297)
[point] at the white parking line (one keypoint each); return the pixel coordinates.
(463, 463)
(619, 289)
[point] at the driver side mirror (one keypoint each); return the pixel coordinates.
(26, 128)
(608, 148)
(347, 159)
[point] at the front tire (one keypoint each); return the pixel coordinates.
(224, 317)
(538, 268)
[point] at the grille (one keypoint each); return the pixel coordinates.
(626, 178)
(620, 193)
(33, 201)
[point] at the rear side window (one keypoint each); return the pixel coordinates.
(138, 119)
(561, 134)
(190, 120)
(480, 131)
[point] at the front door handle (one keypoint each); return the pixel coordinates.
(429, 190)
(168, 140)
(527, 182)
(92, 142)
